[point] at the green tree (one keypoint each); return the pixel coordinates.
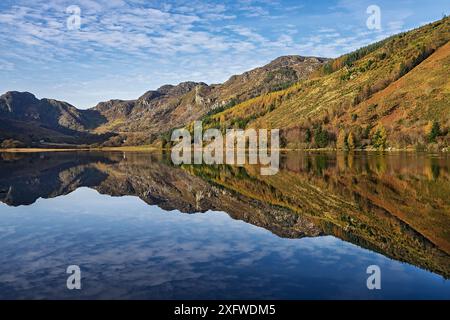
(379, 138)
(434, 132)
(321, 137)
(327, 68)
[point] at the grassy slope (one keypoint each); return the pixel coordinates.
(409, 103)
(331, 99)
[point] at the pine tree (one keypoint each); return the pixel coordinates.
(435, 132)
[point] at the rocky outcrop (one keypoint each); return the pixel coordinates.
(53, 114)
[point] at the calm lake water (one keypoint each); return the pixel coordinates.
(141, 228)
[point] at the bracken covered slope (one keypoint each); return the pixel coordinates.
(401, 83)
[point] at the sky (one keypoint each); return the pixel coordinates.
(87, 51)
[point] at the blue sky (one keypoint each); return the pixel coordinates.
(126, 47)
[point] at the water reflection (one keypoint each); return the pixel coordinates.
(397, 205)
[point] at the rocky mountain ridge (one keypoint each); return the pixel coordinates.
(143, 120)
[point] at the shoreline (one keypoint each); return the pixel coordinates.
(153, 149)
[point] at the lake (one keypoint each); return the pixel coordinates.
(141, 228)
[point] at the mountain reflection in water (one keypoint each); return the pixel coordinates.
(396, 205)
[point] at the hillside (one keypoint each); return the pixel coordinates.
(394, 89)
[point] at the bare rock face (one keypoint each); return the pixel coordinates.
(180, 89)
(14, 102)
(114, 109)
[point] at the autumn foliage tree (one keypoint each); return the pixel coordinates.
(350, 141)
(341, 143)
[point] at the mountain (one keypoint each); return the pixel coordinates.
(25, 118)
(387, 94)
(142, 120)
